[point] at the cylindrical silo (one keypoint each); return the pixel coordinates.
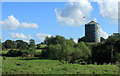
(92, 32)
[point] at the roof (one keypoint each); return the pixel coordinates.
(92, 22)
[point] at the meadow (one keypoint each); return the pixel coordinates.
(36, 65)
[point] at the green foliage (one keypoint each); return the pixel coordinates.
(32, 43)
(31, 51)
(81, 39)
(9, 44)
(14, 53)
(102, 39)
(54, 51)
(21, 44)
(54, 40)
(70, 42)
(118, 57)
(85, 50)
(102, 53)
(66, 50)
(41, 46)
(38, 46)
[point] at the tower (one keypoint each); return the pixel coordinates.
(92, 32)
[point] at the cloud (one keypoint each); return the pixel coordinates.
(42, 36)
(0, 37)
(11, 23)
(74, 13)
(20, 36)
(109, 9)
(103, 34)
(30, 25)
(76, 41)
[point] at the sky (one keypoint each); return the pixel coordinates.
(36, 20)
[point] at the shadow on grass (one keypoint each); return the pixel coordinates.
(33, 58)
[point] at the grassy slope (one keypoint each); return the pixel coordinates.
(13, 65)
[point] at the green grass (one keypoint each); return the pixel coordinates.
(14, 65)
(43, 45)
(38, 50)
(4, 52)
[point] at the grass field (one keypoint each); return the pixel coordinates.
(37, 50)
(18, 65)
(4, 52)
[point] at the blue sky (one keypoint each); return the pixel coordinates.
(47, 23)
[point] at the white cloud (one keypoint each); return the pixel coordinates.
(74, 13)
(11, 23)
(20, 36)
(109, 9)
(0, 37)
(42, 36)
(103, 34)
(76, 41)
(29, 25)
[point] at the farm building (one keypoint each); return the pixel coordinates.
(92, 33)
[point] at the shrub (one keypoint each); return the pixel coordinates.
(101, 53)
(15, 53)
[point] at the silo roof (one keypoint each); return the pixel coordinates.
(92, 22)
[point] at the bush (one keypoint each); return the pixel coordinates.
(15, 53)
(38, 54)
(101, 53)
(83, 50)
(54, 51)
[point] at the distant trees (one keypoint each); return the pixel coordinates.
(18, 44)
(108, 50)
(19, 47)
(21, 44)
(32, 47)
(14, 53)
(54, 40)
(9, 44)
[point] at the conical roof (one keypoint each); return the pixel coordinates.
(92, 22)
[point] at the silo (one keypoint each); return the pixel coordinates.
(92, 32)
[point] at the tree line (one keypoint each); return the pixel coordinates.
(59, 48)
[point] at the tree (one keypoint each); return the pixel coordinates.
(21, 44)
(111, 41)
(101, 53)
(31, 47)
(70, 42)
(102, 39)
(14, 53)
(32, 43)
(81, 39)
(86, 53)
(9, 44)
(54, 40)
